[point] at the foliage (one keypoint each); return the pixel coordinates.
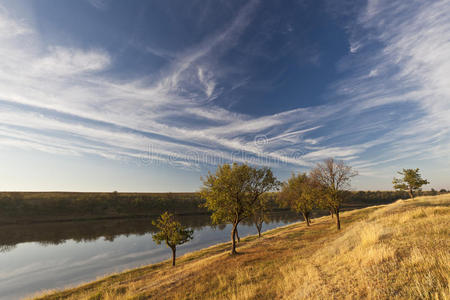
(300, 194)
(71, 206)
(410, 181)
(232, 192)
(225, 193)
(261, 211)
(376, 197)
(171, 232)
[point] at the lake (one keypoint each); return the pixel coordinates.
(42, 256)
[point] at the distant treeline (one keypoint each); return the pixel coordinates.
(388, 196)
(58, 206)
(42, 206)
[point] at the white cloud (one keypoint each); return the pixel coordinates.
(354, 47)
(66, 61)
(413, 95)
(100, 4)
(338, 152)
(373, 73)
(72, 108)
(11, 27)
(207, 81)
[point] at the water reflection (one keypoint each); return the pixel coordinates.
(6, 248)
(87, 231)
(54, 255)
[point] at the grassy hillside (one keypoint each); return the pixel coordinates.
(395, 251)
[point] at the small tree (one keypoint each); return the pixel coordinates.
(232, 192)
(410, 181)
(299, 194)
(261, 181)
(333, 179)
(261, 211)
(171, 232)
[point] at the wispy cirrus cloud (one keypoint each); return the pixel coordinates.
(99, 4)
(392, 104)
(66, 61)
(63, 87)
(407, 75)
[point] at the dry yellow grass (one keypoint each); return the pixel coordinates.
(391, 251)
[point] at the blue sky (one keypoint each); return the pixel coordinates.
(100, 95)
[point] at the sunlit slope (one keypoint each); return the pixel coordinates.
(400, 250)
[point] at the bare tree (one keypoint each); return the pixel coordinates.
(333, 177)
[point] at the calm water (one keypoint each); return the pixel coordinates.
(55, 255)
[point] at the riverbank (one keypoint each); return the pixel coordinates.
(399, 250)
(42, 207)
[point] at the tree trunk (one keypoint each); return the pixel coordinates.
(338, 220)
(237, 235)
(259, 227)
(174, 250)
(305, 216)
(331, 213)
(233, 239)
(411, 194)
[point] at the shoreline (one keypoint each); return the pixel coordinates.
(42, 207)
(207, 252)
(294, 257)
(25, 221)
(195, 254)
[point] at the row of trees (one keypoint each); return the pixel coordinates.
(69, 205)
(237, 192)
(327, 186)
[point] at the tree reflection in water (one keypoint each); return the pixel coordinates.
(55, 233)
